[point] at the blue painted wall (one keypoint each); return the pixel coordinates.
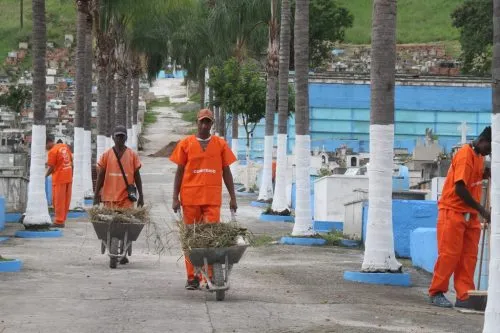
(423, 248)
(407, 215)
(2, 213)
(340, 113)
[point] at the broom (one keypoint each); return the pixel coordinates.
(478, 298)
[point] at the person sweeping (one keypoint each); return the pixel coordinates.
(118, 179)
(60, 163)
(458, 226)
(202, 163)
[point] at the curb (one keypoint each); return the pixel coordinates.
(39, 234)
(388, 279)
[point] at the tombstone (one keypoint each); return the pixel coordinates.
(23, 45)
(463, 130)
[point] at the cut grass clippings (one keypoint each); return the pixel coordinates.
(119, 215)
(210, 235)
(5, 259)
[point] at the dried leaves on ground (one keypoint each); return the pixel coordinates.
(119, 215)
(205, 235)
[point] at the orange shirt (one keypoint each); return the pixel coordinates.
(466, 166)
(61, 159)
(114, 188)
(274, 170)
(202, 181)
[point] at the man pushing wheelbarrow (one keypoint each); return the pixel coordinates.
(119, 187)
(202, 163)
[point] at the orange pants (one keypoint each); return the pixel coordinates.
(61, 198)
(125, 203)
(457, 242)
(199, 214)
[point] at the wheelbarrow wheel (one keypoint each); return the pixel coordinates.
(113, 249)
(218, 281)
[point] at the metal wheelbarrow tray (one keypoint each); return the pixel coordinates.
(222, 260)
(117, 237)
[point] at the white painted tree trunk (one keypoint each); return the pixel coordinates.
(379, 247)
(266, 184)
(234, 149)
(247, 172)
(303, 216)
(139, 127)
(88, 190)
(134, 137)
(492, 313)
(77, 196)
(280, 199)
(129, 137)
(101, 145)
(37, 211)
(109, 142)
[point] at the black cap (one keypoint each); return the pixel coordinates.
(486, 134)
(120, 130)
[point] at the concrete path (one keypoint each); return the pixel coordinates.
(67, 286)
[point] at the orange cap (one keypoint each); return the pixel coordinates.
(205, 113)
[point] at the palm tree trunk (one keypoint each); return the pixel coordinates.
(492, 313)
(280, 198)
(37, 212)
(121, 96)
(77, 196)
(234, 143)
(201, 89)
(135, 109)
(379, 245)
(111, 105)
(303, 219)
(87, 117)
(222, 122)
(103, 110)
(266, 186)
(129, 109)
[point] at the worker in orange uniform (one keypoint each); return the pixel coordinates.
(110, 176)
(202, 163)
(273, 175)
(458, 226)
(60, 163)
(119, 185)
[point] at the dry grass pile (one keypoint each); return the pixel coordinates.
(119, 215)
(203, 235)
(166, 151)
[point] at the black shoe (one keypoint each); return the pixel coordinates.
(193, 284)
(124, 261)
(440, 300)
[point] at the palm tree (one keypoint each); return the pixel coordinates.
(280, 200)
(303, 219)
(87, 115)
(266, 186)
(492, 314)
(129, 105)
(111, 81)
(104, 47)
(236, 23)
(37, 213)
(77, 196)
(136, 71)
(379, 245)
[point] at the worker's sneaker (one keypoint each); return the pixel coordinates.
(124, 261)
(463, 304)
(440, 300)
(193, 284)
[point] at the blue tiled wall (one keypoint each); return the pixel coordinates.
(340, 114)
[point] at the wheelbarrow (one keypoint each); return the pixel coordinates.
(222, 260)
(117, 237)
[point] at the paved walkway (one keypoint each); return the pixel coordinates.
(66, 285)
